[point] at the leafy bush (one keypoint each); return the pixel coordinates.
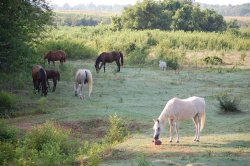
(228, 103)
(214, 60)
(7, 132)
(46, 144)
(138, 56)
(7, 152)
(7, 103)
(117, 131)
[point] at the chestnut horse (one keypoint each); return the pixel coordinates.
(109, 57)
(39, 79)
(55, 76)
(55, 56)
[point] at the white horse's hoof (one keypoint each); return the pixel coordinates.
(170, 141)
(177, 141)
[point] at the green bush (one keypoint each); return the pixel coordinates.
(214, 60)
(228, 103)
(7, 152)
(138, 56)
(46, 144)
(7, 133)
(7, 101)
(118, 131)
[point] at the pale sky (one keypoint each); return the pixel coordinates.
(125, 2)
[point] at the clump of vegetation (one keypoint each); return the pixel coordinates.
(228, 103)
(214, 60)
(7, 102)
(118, 131)
(46, 144)
(7, 132)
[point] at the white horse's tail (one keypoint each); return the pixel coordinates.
(203, 119)
(90, 82)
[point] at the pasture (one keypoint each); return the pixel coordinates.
(138, 94)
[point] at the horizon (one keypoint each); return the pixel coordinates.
(73, 3)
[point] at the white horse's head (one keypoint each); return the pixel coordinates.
(158, 127)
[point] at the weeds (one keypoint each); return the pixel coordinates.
(228, 103)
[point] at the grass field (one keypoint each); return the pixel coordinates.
(138, 95)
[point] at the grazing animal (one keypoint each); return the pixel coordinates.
(82, 77)
(55, 56)
(179, 109)
(162, 65)
(39, 79)
(55, 76)
(109, 57)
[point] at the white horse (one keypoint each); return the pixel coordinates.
(82, 77)
(162, 65)
(179, 109)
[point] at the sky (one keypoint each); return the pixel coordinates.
(125, 2)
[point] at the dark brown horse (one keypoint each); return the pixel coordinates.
(109, 57)
(39, 79)
(55, 76)
(55, 56)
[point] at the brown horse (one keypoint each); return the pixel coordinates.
(55, 56)
(55, 76)
(109, 57)
(39, 79)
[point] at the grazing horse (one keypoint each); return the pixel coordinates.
(179, 109)
(55, 56)
(162, 65)
(39, 79)
(55, 76)
(109, 57)
(82, 77)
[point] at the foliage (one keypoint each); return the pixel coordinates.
(214, 60)
(228, 103)
(7, 132)
(78, 19)
(166, 15)
(117, 130)
(7, 152)
(22, 26)
(46, 144)
(7, 102)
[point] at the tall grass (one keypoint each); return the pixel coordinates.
(140, 46)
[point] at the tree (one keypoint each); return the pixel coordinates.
(22, 25)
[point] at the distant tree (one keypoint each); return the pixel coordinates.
(233, 24)
(22, 25)
(167, 15)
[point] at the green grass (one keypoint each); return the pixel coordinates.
(138, 95)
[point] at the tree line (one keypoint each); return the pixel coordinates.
(169, 15)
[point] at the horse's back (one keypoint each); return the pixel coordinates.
(185, 108)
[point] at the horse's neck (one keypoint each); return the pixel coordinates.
(163, 116)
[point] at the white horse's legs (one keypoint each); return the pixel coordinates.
(199, 127)
(171, 125)
(76, 88)
(197, 122)
(177, 131)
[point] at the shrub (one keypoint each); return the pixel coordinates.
(7, 152)
(46, 144)
(7, 101)
(117, 130)
(214, 60)
(228, 104)
(138, 56)
(7, 132)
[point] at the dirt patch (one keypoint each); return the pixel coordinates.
(92, 129)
